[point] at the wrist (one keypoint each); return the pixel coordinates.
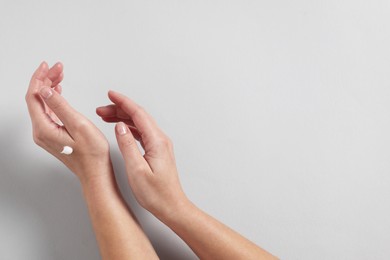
(99, 186)
(176, 209)
(96, 174)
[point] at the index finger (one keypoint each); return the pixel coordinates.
(71, 118)
(145, 124)
(34, 102)
(37, 79)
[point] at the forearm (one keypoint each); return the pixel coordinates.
(118, 233)
(153, 177)
(209, 238)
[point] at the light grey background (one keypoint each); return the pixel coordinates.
(279, 112)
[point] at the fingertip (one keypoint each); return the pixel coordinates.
(60, 65)
(111, 93)
(114, 93)
(121, 128)
(101, 110)
(41, 72)
(43, 68)
(98, 110)
(116, 97)
(43, 65)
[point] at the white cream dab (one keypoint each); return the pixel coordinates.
(67, 150)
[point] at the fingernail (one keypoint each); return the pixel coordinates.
(46, 92)
(121, 128)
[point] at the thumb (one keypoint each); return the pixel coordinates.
(127, 145)
(58, 104)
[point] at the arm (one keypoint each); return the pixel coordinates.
(118, 233)
(209, 238)
(154, 180)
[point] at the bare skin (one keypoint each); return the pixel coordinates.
(117, 231)
(152, 176)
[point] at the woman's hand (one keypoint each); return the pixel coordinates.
(154, 181)
(56, 124)
(153, 176)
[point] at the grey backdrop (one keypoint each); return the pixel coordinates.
(279, 112)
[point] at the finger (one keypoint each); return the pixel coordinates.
(129, 149)
(46, 82)
(56, 73)
(136, 134)
(113, 114)
(37, 79)
(58, 88)
(142, 120)
(53, 140)
(34, 102)
(128, 122)
(44, 129)
(112, 111)
(71, 119)
(50, 112)
(58, 80)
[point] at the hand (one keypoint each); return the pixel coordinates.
(153, 176)
(56, 124)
